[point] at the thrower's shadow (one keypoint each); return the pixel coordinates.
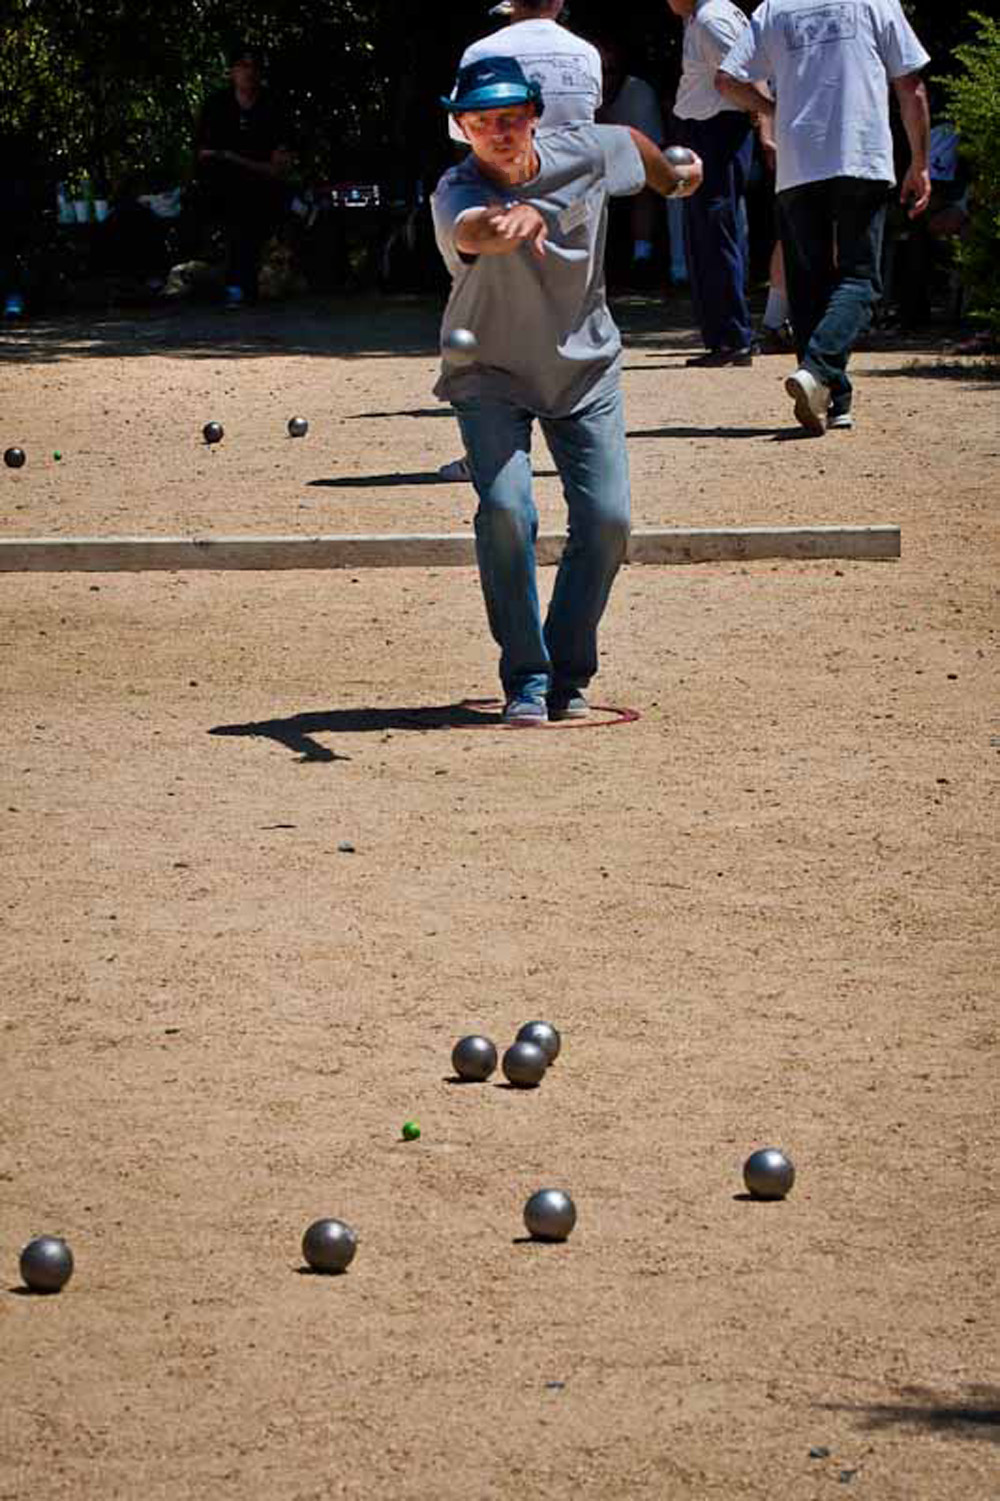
(298, 731)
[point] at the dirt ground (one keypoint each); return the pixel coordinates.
(765, 912)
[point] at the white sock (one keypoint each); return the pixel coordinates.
(776, 312)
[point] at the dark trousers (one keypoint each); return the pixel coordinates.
(715, 233)
(831, 232)
(248, 229)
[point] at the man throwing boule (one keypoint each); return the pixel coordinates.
(521, 226)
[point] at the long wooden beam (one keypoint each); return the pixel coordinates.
(442, 550)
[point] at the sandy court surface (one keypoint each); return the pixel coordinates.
(763, 912)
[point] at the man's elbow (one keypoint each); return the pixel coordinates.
(909, 86)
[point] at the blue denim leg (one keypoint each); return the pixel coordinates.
(590, 453)
(715, 233)
(831, 232)
(497, 437)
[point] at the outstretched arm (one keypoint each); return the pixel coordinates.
(662, 176)
(915, 191)
(500, 230)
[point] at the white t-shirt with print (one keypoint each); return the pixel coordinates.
(567, 68)
(709, 33)
(831, 64)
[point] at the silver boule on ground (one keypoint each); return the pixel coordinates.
(545, 1035)
(524, 1064)
(474, 1058)
(329, 1246)
(768, 1173)
(297, 427)
(46, 1264)
(550, 1214)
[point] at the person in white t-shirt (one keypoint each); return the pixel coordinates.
(567, 70)
(832, 65)
(715, 227)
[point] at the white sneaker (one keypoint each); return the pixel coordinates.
(811, 399)
(457, 469)
(839, 420)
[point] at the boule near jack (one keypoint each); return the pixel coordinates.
(329, 1246)
(474, 1058)
(524, 1064)
(545, 1035)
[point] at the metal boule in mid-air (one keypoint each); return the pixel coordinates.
(768, 1173)
(46, 1264)
(213, 432)
(550, 1214)
(524, 1064)
(329, 1246)
(460, 346)
(474, 1058)
(545, 1035)
(297, 427)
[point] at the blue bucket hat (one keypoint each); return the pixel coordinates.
(493, 83)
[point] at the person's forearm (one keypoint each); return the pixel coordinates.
(664, 178)
(915, 113)
(476, 234)
(748, 96)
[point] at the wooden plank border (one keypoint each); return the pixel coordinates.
(657, 545)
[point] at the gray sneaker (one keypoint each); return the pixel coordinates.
(567, 703)
(525, 711)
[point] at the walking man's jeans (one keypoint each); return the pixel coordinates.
(589, 451)
(831, 232)
(715, 227)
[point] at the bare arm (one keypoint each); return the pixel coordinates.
(911, 93)
(662, 176)
(500, 230)
(748, 96)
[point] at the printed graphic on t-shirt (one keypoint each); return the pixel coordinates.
(558, 74)
(826, 23)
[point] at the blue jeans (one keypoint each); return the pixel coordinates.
(589, 451)
(831, 232)
(715, 233)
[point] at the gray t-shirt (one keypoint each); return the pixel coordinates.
(830, 65)
(545, 335)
